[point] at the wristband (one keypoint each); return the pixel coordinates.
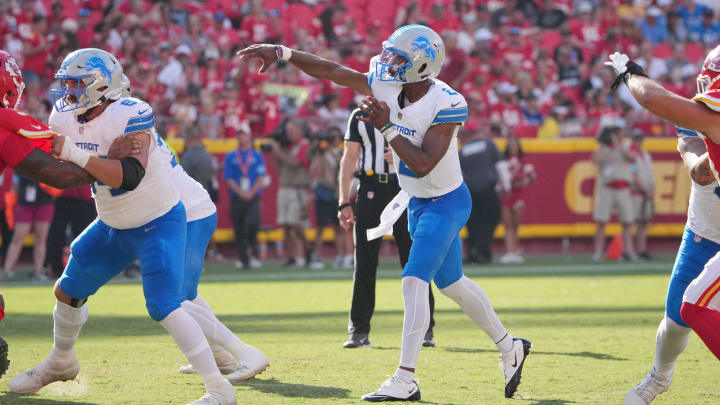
(390, 134)
(283, 52)
(386, 126)
(72, 153)
(343, 206)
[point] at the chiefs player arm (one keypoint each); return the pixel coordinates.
(679, 110)
(695, 157)
(40, 166)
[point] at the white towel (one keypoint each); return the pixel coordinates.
(390, 215)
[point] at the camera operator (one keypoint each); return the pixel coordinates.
(614, 159)
(289, 152)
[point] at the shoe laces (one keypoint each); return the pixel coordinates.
(650, 387)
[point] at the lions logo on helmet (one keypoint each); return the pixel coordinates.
(88, 77)
(412, 54)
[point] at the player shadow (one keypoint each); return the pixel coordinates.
(10, 398)
(591, 355)
(290, 390)
(547, 401)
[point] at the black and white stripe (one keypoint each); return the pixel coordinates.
(372, 145)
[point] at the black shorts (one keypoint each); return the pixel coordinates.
(325, 213)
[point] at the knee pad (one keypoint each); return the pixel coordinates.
(75, 289)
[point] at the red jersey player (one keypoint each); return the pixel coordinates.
(24, 140)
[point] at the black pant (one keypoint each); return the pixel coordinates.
(79, 214)
(372, 199)
(483, 220)
(6, 233)
(245, 216)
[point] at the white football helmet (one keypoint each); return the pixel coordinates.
(88, 77)
(125, 85)
(412, 53)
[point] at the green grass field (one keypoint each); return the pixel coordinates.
(592, 327)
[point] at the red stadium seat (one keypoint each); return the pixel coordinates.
(662, 51)
(550, 40)
(525, 131)
(694, 52)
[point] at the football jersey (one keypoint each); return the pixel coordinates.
(711, 99)
(703, 217)
(20, 134)
(195, 198)
(441, 104)
(155, 195)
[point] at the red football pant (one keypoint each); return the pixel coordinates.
(705, 322)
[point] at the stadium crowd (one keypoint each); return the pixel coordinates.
(528, 68)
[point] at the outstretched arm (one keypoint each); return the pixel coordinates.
(695, 157)
(421, 160)
(120, 174)
(311, 64)
(40, 166)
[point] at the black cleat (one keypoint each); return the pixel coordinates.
(357, 340)
(511, 364)
(429, 340)
(4, 361)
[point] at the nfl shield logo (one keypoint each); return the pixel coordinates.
(370, 195)
(400, 115)
(396, 206)
(697, 239)
(82, 129)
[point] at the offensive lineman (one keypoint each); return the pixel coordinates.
(239, 361)
(139, 216)
(419, 116)
(696, 120)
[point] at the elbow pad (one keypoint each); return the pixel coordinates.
(133, 173)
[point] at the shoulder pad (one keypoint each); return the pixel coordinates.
(134, 115)
(23, 124)
(710, 98)
(452, 106)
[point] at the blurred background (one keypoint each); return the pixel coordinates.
(531, 70)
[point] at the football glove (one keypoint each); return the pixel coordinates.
(4, 361)
(623, 67)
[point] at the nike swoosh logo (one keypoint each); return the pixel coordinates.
(153, 227)
(411, 391)
(142, 112)
(36, 126)
(515, 364)
(454, 104)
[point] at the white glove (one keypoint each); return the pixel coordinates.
(618, 62)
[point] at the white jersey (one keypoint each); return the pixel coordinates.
(155, 195)
(195, 198)
(441, 104)
(703, 217)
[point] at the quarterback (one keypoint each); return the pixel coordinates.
(691, 297)
(420, 117)
(140, 216)
(233, 357)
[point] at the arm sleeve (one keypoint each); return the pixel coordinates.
(453, 108)
(141, 118)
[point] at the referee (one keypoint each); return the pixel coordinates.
(366, 156)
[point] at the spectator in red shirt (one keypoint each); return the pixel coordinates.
(36, 51)
(456, 67)
(506, 110)
(256, 26)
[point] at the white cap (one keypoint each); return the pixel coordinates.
(484, 34)
(654, 12)
(183, 49)
(506, 88)
(585, 7)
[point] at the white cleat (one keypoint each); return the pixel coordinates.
(647, 390)
(43, 374)
(511, 364)
(223, 394)
(252, 364)
(224, 359)
(394, 390)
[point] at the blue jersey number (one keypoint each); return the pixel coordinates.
(448, 91)
(128, 102)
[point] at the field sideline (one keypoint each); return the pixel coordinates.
(592, 327)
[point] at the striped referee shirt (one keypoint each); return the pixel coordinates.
(372, 145)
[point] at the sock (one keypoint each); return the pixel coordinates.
(671, 340)
(404, 375)
(187, 335)
(68, 322)
(221, 355)
(476, 304)
(215, 331)
(704, 321)
(416, 319)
